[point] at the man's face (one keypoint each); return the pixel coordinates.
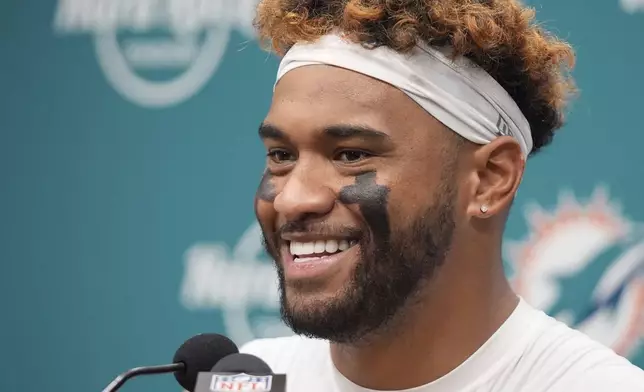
(357, 202)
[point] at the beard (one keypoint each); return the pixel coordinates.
(391, 273)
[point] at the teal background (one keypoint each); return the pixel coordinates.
(102, 197)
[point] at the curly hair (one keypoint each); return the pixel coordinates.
(501, 36)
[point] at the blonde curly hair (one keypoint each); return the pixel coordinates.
(501, 36)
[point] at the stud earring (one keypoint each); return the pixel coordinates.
(484, 208)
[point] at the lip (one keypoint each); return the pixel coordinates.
(325, 266)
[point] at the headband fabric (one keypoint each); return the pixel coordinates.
(457, 93)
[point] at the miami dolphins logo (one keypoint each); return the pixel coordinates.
(583, 263)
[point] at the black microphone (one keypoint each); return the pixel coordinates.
(242, 363)
(197, 354)
(241, 372)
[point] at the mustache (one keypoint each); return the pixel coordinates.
(319, 228)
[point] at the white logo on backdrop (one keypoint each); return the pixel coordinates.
(185, 39)
(242, 283)
(632, 6)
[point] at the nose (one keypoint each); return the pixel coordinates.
(304, 194)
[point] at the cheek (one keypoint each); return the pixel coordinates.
(410, 196)
(401, 208)
(265, 213)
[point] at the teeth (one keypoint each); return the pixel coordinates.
(307, 248)
(331, 246)
(305, 259)
(320, 246)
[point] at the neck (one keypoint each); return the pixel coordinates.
(462, 307)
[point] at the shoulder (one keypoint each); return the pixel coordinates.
(562, 359)
(619, 376)
(284, 353)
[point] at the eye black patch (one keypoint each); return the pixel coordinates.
(266, 190)
(372, 199)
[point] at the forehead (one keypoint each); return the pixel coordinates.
(316, 96)
(320, 82)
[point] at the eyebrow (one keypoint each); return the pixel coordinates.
(354, 131)
(339, 131)
(269, 131)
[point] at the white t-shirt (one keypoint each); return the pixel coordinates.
(530, 352)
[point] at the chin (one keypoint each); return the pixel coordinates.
(315, 292)
(311, 314)
(331, 317)
(302, 295)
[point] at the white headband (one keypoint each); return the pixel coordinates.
(459, 94)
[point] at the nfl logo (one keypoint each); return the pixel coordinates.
(240, 382)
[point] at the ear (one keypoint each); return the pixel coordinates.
(499, 168)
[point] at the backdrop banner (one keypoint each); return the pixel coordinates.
(130, 160)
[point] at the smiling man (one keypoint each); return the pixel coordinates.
(396, 141)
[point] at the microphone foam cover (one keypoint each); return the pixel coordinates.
(242, 363)
(199, 354)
